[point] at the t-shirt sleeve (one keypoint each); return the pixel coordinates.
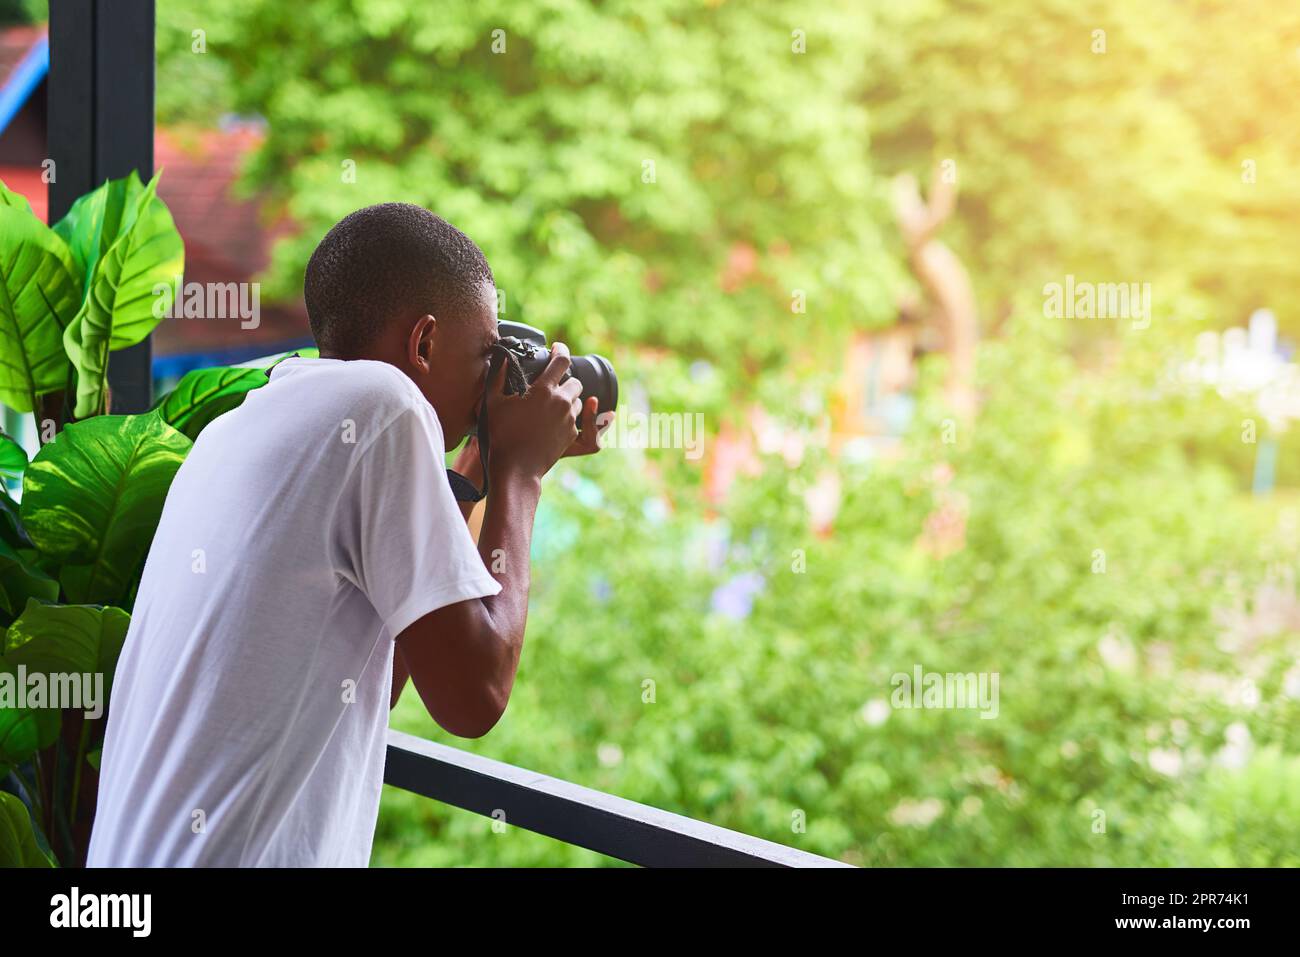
(399, 534)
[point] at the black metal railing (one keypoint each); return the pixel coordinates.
(568, 812)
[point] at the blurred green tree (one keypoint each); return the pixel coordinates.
(672, 174)
(1121, 142)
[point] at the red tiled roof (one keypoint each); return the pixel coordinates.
(16, 43)
(198, 171)
(227, 239)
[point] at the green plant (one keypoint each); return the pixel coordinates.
(80, 289)
(72, 551)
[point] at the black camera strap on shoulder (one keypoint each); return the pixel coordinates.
(516, 384)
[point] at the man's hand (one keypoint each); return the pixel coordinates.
(588, 441)
(531, 432)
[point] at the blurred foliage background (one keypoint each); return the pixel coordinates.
(652, 181)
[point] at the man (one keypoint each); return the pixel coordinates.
(311, 555)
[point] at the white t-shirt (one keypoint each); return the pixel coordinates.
(306, 529)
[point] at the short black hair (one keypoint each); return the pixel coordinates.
(387, 261)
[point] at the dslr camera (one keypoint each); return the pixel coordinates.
(528, 345)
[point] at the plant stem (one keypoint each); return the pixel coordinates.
(82, 739)
(69, 395)
(40, 790)
(33, 794)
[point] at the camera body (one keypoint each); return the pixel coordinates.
(528, 344)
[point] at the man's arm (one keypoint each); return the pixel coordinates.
(472, 472)
(463, 657)
(469, 464)
(507, 530)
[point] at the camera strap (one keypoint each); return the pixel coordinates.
(516, 384)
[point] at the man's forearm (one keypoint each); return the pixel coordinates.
(505, 541)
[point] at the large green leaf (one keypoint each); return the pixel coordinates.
(18, 847)
(98, 219)
(24, 731)
(17, 200)
(13, 457)
(129, 246)
(92, 498)
(39, 296)
(21, 580)
(11, 525)
(51, 638)
(265, 362)
(204, 394)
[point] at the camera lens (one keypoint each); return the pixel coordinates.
(597, 377)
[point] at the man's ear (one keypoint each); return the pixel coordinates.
(419, 345)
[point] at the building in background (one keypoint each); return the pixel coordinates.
(228, 239)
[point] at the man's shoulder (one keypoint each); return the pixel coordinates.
(377, 380)
(308, 398)
(370, 397)
(366, 388)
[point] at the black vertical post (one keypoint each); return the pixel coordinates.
(101, 103)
